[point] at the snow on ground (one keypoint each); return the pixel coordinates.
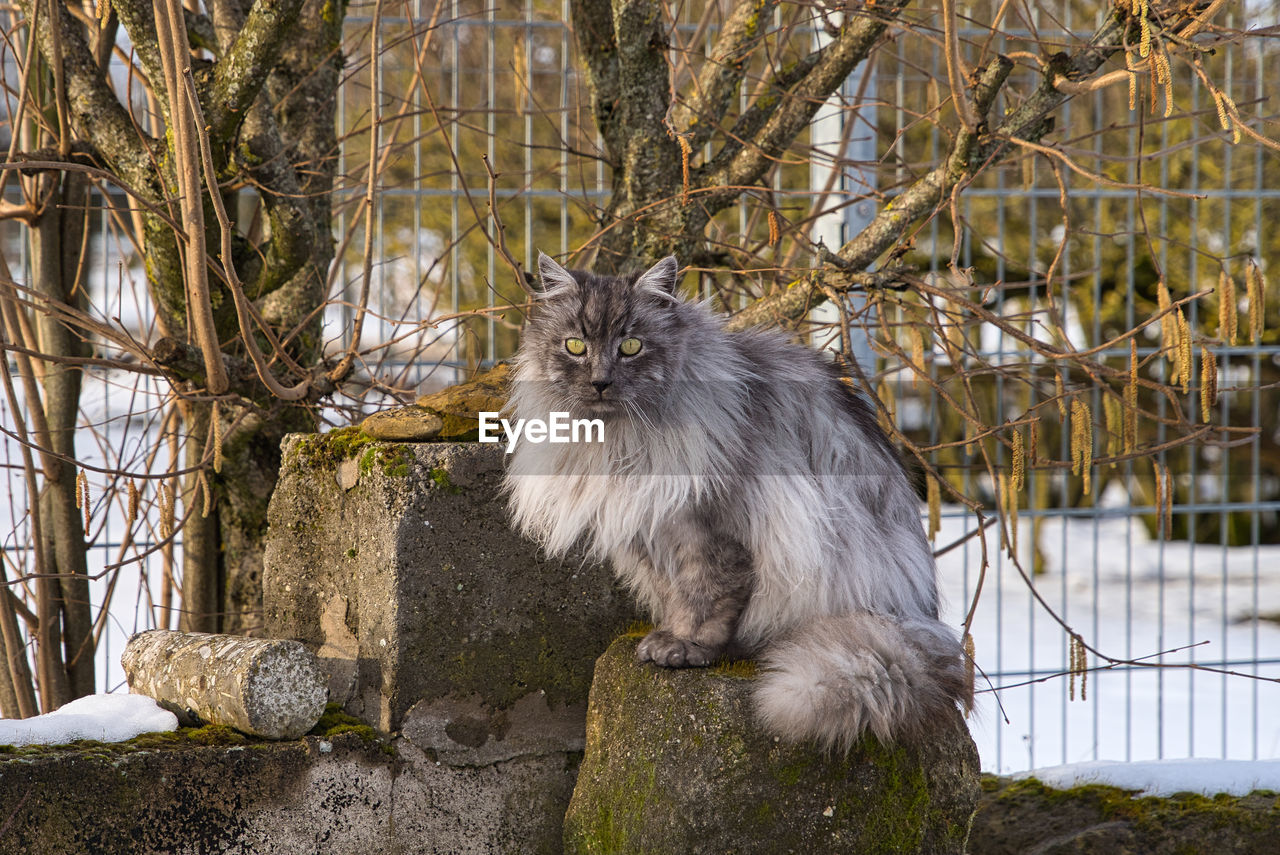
(1167, 777)
(1132, 598)
(105, 718)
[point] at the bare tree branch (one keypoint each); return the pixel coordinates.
(762, 109)
(183, 108)
(858, 34)
(262, 154)
(718, 83)
(892, 222)
(1027, 121)
(238, 77)
(95, 111)
(138, 17)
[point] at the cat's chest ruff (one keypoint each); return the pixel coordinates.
(624, 488)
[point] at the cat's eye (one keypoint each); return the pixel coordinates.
(576, 346)
(630, 346)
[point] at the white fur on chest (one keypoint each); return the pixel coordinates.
(609, 494)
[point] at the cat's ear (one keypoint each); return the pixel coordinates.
(661, 280)
(555, 279)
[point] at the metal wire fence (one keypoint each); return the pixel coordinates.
(1202, 590)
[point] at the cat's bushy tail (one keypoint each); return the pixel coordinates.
(835, 677)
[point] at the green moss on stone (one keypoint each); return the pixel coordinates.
(334, 717)
(364, 731)
(789, 774)
(905, 788)
(336, 721)
(441, 479)
(391, 458)
(637, 629)
(1020, 815)
(216, 734)
(742, 669)
(621, 811)
(327, 450)
(1147, 813)
(212, 734)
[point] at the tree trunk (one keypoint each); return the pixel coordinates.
(303, 92)
(17, 695)
(626, 46)
(58, 239)
(201, 557)
(286, 145)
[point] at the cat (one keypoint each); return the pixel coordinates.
(745, 495)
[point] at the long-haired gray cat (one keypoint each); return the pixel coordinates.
(745, 495)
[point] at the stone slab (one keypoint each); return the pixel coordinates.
(1021, 816)
(346, 794)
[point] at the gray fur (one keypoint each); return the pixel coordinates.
(745, 495)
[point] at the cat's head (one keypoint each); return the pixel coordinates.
(606, 345)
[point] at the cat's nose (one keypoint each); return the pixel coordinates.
(601, 385)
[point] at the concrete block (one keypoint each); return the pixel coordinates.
(264, 687)
(675, 764)
(396, 564)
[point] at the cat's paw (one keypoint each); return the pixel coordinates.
(663, 648)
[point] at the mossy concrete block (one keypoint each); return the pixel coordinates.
(396, 564)
(675, 765)
(1020, 816)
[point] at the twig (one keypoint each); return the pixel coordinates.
(175, 54)
(498, 239)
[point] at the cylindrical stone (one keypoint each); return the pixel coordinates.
(263, 687)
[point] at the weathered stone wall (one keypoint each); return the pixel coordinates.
(212, 790)
(395, 563)
(343, 791)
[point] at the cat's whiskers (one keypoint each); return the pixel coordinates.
(634, 409)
